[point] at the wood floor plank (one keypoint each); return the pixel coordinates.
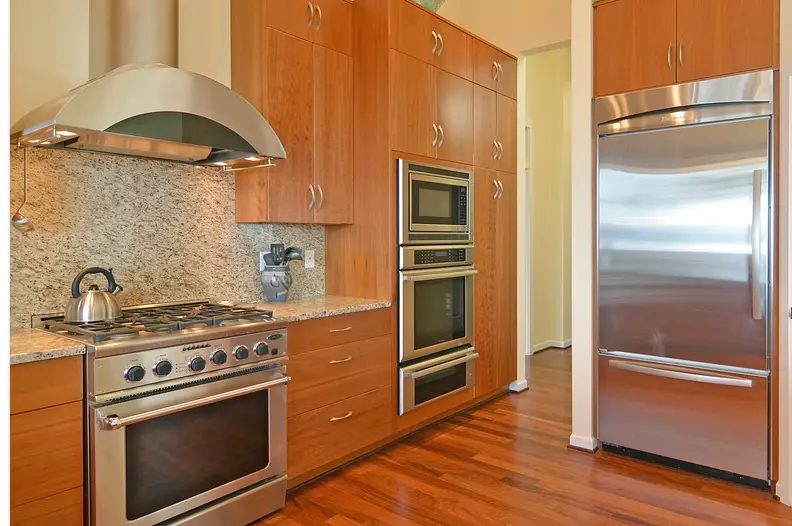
(507, 463)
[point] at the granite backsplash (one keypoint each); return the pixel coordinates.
(166, 229)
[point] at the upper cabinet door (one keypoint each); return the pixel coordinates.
(411, 31)
(507, 134)
(295, 17)
(290, 92)
(454, 118)
(485, 127)
(333, 136)
(507, 78)
(485, 65)
(718, 37)
(634, 45)
(332, 25)
(413, 106)
(454, 50)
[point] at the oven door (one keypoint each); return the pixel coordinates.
(161, 455)
(436, 312)
(435, 378)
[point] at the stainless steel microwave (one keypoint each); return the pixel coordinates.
(435, 204)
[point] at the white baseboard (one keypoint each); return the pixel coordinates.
(556, 344)
(518, 386)
(785, 499)
(585, 443)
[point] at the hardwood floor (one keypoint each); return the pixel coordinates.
(507, 463)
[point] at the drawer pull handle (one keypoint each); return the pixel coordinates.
(345, 329)
(345, 360)
(339, 418)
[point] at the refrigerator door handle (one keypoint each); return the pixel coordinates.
(679, 375)
(756, 248)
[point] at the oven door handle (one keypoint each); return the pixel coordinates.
(111, 421)
(438, 275)
(443, 366)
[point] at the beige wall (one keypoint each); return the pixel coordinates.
(44, 68)
(514, 25)
(548, 84)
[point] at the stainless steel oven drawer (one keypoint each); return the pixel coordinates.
(436, 377)
(711, 418)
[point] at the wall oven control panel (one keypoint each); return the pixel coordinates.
(435, 256)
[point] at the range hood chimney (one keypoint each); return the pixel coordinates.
(139, 104)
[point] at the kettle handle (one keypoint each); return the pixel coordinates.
(112, 286)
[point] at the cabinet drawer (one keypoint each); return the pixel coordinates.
(329, 375)
(46, 452)
(46, 383)
(63, 509)
(321, 333)
(327, 434)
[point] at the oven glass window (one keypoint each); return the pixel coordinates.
(175, 457)
(438, 204)
(439, 311)
(442, 382)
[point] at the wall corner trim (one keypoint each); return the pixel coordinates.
(583, 443)
(518, 386)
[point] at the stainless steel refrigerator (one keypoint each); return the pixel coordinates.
(684, 299)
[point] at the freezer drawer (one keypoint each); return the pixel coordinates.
(710, 418)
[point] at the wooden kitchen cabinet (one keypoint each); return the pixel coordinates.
(494, 69)
(309, 103)
(46, 442)
(494, 130)
(634, 45)
(325, 22)
(323, 333)
(641, 44)
(426, 37)
(717, 38)
(455, 118)
(496, 281)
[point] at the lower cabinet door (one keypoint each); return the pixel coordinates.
(486, 338)
(61, 509)
(506, 278)
(325, 435)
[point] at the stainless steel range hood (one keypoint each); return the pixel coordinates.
(153, 110)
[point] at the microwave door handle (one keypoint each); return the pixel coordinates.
(111, 422)
(444, 366)
(440, 275)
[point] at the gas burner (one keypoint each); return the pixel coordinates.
(160, 319)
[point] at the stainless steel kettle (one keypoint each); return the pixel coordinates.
(94, 304)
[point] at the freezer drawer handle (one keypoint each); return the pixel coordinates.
(679, 375)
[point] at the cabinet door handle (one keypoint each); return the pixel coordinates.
(436, 131)
(668, 58)
(500, 151)
(313, 196)
(442, 44)
(495, 71)
(500, 72)
(681, 55)
(500, 195)
(345, 360)
(345, 329)
(495, 150)
(311, 14)
(442, 137)
(320, 200)
(339, 418)
(319, 22)
(434, 39)
(495, 184)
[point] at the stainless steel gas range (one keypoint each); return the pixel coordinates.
(185, 414)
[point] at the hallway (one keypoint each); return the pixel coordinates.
(506, 463)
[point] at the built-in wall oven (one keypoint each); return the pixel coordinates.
(436, 284)
(435, 204)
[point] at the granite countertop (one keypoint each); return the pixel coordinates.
(32, 345)
(320, 307)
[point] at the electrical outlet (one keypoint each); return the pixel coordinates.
(261, 261)
(310, 259)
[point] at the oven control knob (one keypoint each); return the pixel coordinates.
(219, 357)
(241, 352)
(197, 364)
(262, 349)
(135, 373)
(163, 368)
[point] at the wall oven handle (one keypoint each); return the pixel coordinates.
(443, 366)
(112, 422)
(679, 375)
(441, 275)
(756, 247)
